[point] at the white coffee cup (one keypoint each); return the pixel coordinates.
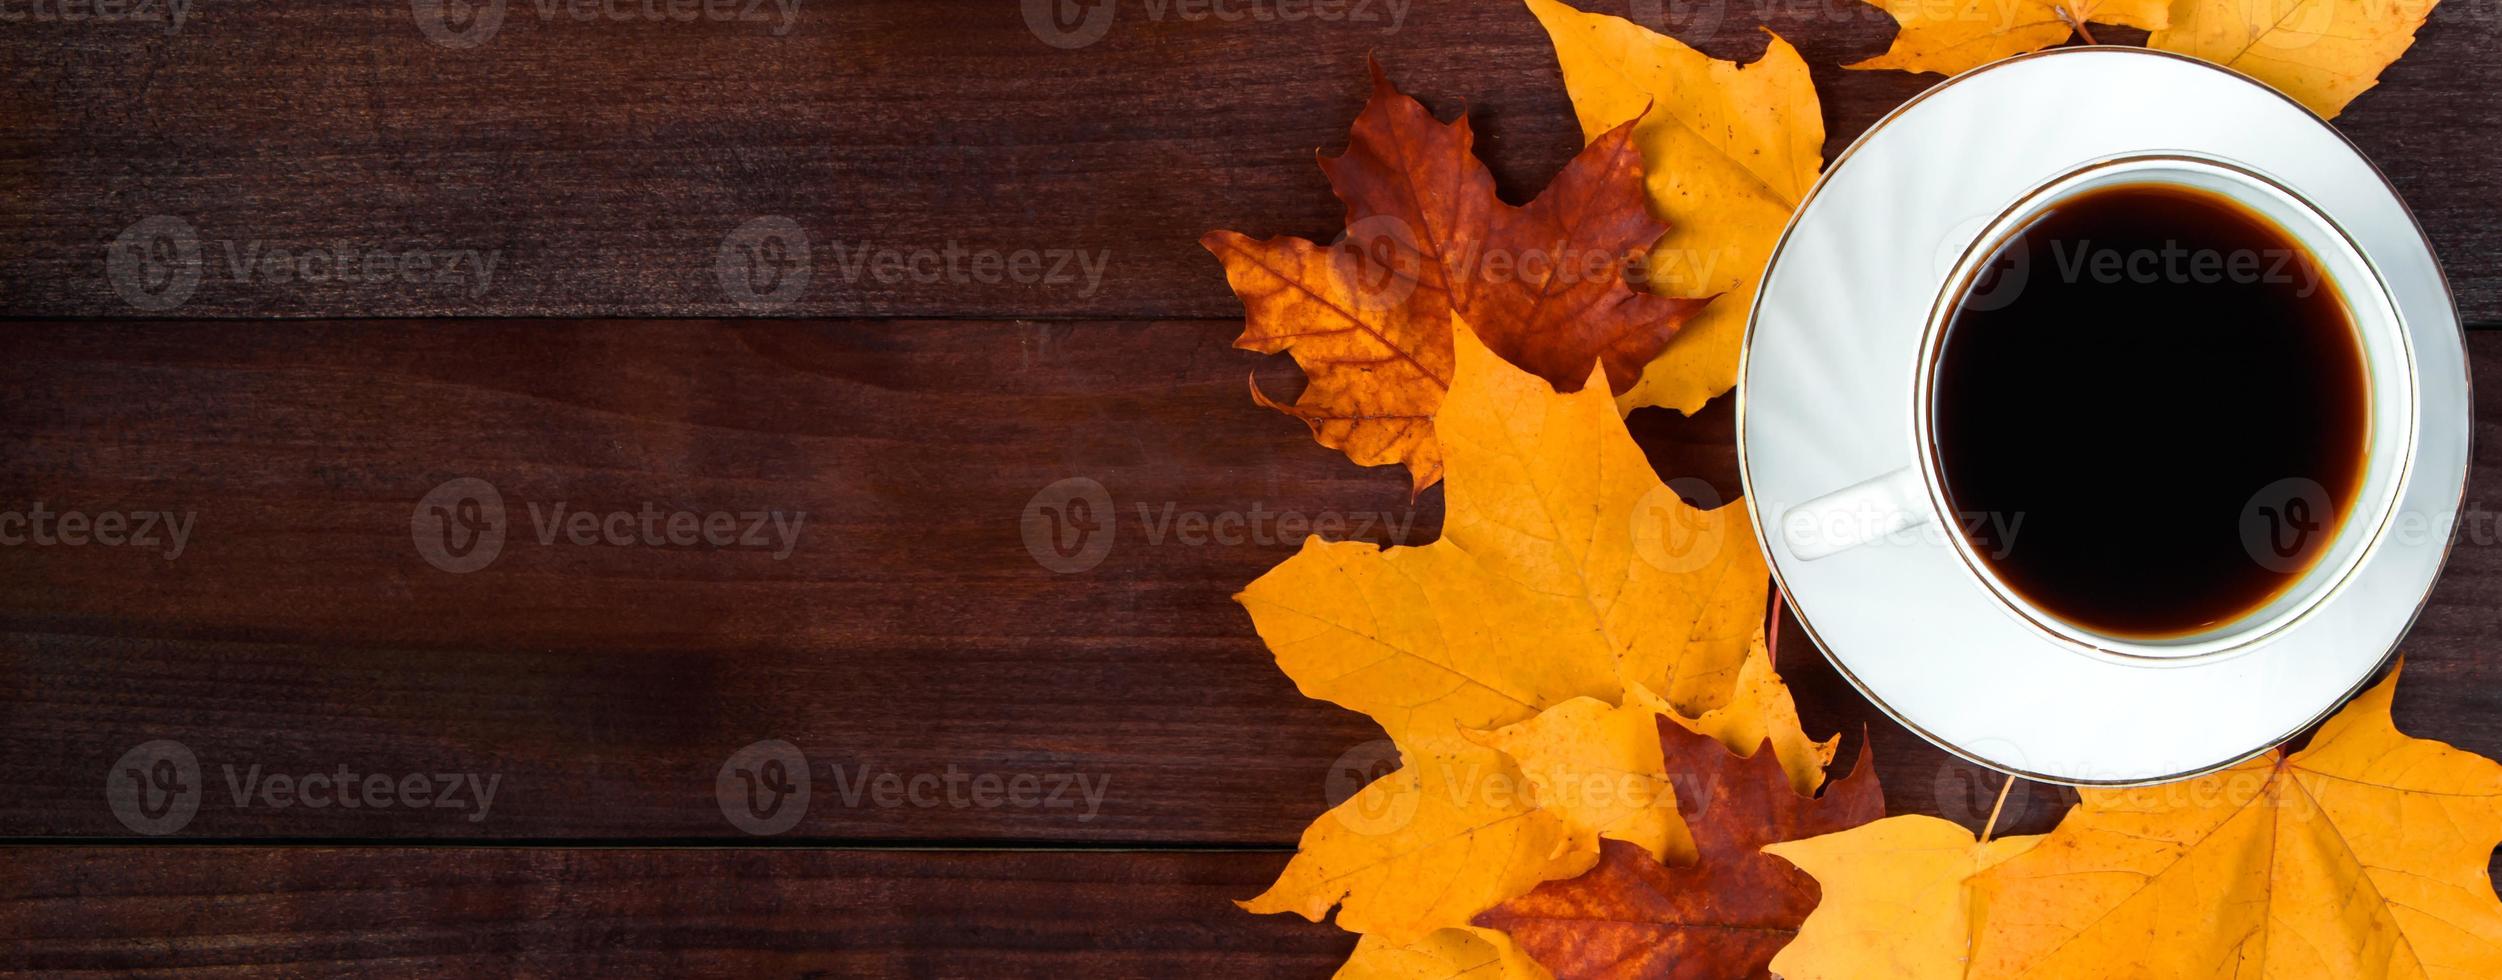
(1884, 505)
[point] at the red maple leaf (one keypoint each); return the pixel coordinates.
(1722, 916)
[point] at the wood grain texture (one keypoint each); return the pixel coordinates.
(604, 164)
(465, 912)
(602, 161)
(910, 630)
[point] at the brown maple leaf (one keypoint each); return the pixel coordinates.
(1725, 914)
(1369, 317)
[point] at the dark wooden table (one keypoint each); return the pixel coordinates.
(627, 352)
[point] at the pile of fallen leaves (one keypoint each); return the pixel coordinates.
(1601, 772)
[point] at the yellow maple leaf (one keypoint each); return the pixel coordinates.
(2321, 52)
(1760, 708)
(1463, 953)
(1597, 767)
(1896, 904)
(1565, 569)
(1449, 834)
(1950, 37)
(2364, 854)
(1728, 151)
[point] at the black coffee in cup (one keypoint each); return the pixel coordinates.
(2150, 410)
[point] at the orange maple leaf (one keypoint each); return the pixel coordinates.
(1368, 317)
(1723, 915)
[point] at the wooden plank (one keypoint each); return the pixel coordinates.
(910, 631)
(603, 162)
(470, 912)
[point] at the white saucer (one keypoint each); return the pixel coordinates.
(1832, 352)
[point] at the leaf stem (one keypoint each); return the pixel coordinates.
(2078, 23)
(1995, 808)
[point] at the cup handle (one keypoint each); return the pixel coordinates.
(1856, 514)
